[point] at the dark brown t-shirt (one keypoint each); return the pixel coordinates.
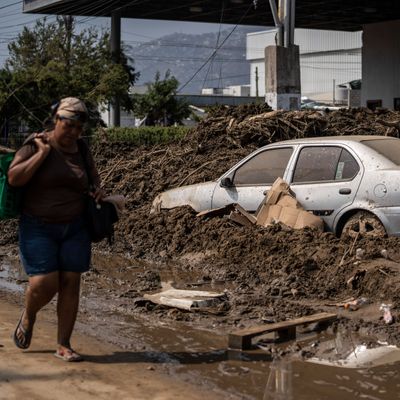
(56, 192)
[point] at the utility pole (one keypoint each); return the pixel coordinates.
(115, 52)
(282, 62)
(257, 82)
(333, 92)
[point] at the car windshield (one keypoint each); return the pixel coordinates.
(390, 148)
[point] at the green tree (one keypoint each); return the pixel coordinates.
(159, 105)
(53, 60)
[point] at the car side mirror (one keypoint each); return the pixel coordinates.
(226, 182)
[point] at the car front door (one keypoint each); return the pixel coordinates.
(248, 182)
(325, 179)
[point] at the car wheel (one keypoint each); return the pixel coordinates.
(363, 224)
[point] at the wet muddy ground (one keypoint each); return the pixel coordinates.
(193, 347)
(268, 274)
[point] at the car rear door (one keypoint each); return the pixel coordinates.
(325, 179)
(252, 178)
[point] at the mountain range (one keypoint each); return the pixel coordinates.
(216, 59)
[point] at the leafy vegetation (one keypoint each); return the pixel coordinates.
(53, 60)
(159, 105)
(146, 135)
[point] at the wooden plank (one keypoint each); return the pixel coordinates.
(286, 330)
(251, 217)
(239, 219)
(287, 334)
(216, 212)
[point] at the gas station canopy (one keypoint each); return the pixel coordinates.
(348, 15)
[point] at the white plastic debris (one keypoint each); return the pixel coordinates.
(363, 357)
(387, 314)
(185, 299)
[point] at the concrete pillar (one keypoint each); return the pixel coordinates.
(282, 77)
(115, 52)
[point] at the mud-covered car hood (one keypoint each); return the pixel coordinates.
(198, 196)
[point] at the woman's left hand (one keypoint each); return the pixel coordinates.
(98, 194)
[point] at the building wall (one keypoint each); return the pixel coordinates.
(237, 90)
(381, 63)
(321, 72)
(325, 57)
(309, 40)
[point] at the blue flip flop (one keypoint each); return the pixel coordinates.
(26, 335)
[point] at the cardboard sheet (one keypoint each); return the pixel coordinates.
(280, 206)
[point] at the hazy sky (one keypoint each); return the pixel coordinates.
(12, 21)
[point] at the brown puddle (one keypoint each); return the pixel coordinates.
(201, 355)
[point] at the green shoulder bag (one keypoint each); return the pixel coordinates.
(10, 197)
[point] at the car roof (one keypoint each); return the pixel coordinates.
(339, 139)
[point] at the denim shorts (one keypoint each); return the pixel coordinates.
(46, 247)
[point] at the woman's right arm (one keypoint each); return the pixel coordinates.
(25, 164)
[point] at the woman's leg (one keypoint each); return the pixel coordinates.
(74, 258)
(40, 291)
(67, 306)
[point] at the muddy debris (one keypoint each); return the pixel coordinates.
(270, 273)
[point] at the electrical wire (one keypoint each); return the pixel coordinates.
(216, 43)
(68, 9)
(188, 45)
(10, 92)
(226, 38)
(10, 5)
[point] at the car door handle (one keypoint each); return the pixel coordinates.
(345, 191)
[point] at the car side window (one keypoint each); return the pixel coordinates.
(347, 167)
(264, 168)
(329, 163)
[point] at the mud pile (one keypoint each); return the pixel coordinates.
(273, 273)
(283, 262)
(262, 265)
(219, 141)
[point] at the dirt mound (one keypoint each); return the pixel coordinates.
(221, 140)
(269, 270)
(263, 265)
(9, 232)
(289, 263)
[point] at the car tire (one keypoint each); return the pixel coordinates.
(363, 224)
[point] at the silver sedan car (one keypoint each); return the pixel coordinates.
(351, 182)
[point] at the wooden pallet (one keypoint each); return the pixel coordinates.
(286, 330)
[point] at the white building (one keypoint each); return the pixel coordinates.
(327, 59)
(234, 90)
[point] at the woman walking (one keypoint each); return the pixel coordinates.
(55, 246)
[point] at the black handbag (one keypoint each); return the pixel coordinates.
(100, 216)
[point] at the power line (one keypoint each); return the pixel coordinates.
(19, 101)
(216, 44)
(86, 19)
(182, 44)
(10, 5)
(227, 37)
(194, 59)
